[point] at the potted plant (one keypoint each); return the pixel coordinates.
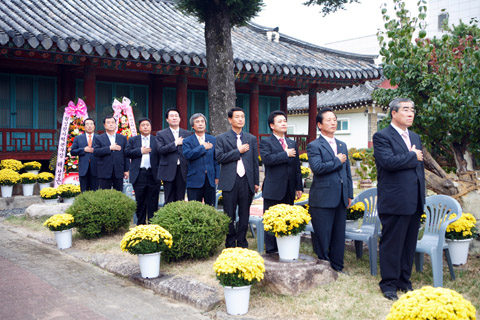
(147, 241)
(459, 234)
(306, 171)
(11, 164)
(49, 195)
(286, 222)
(304, 159)
(28, 181)
(61, 225)
(432, 303)
(354, 213)
(44, 179)
(8, 178)
(68, 192)
(237, 269)
(32, 166)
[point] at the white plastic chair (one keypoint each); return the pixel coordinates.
(369, 230)
(438, 210)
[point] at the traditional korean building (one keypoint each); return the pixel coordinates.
(54, 51)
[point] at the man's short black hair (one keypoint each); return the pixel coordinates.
(144, 119)
(232, 110)
(171, 109)
(108, 117)
(273, 114)
(321, 112)
(84, 121)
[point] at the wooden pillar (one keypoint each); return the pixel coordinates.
(284, 102)
(312, 114)
(182, 100)
(254, 109)
(155, 105)
(89, 87)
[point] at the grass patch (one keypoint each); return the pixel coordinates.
(356, 296)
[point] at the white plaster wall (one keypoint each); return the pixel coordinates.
(457, 10)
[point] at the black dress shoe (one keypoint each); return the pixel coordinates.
(405, 290)
(390, 295)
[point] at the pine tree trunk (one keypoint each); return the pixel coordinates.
(221, 78)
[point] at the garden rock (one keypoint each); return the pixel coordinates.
(294, 278)
(18, 202)
(36, 211)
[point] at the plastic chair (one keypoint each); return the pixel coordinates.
(369, 230)
(438, 210)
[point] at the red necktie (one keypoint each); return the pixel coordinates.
(89, 140)
(282, 142)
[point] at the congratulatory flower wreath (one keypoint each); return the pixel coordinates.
(145, 239)
(60, 222)
(432, 303)
(285, 220)
(238, 267)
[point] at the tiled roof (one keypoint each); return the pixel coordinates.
(156, 32)
(337, 99)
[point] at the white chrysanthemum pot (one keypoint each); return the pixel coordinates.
(63, 238)
(237, 299)
(458, 250)
(288, 247)
(149, 264)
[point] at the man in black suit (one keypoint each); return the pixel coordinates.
(236, 151)
(401, 196)
(283, 178)
(331, 192)
(143, 171)
(111, 161)
(172, 169)
(87, 164)
(203, 169)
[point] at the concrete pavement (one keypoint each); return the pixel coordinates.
(40, 282)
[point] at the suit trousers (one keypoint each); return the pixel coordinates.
(270, 239)
(397, 249)
(147, 191)
(205, 193)
(329, 237)
(116, 183)
(88, 182)
(240, 196)
(175, 190)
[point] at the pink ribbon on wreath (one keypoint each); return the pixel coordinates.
(79, 110)
(124, 107)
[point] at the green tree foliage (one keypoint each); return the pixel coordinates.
(329, 6)
(440, 75)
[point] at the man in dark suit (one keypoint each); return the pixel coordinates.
(331, 192)
(203, 169)
(283, 178)
(142, 151)
(109, 148)
(87, 164)
(401, 196)
(172, 169)
(236, 151)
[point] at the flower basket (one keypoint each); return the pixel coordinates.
(356, 211)
(60, 222)
(45, 177)
(9, 177)
(11, 164)
(49, 193)
(32, 166)
(147, 241)
(305, 171)
(237, 269)
(432, 303)
(68, 191)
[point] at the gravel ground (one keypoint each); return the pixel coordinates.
(12, 212)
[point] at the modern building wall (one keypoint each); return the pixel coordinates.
(456, 10)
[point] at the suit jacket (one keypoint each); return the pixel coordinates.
(109, 161)
(134, 152)
(227, 154)
(85, 159)
(332, 179)
(280, 170)
(199, 161)
(169, 154)
(401, 177)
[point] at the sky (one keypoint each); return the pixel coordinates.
(308, 24)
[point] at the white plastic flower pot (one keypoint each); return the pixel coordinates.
(149, 265)
(288, 247)
(28, 189)
(237, 299)
(458, 250)
(63, 238)
(44, 185)
(7, 191)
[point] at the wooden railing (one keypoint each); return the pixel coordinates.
(25, 144)
(301, 139)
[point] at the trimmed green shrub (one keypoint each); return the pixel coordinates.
(101, 212)
(197, 229)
